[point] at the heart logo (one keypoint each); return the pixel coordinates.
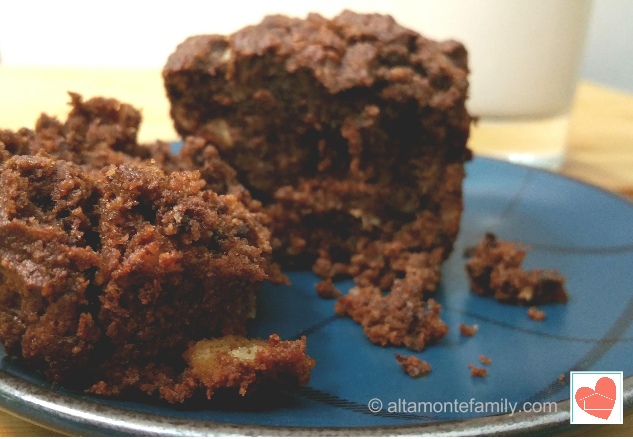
(598, 402)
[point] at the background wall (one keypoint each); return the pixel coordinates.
(609, 51)
(130, 33)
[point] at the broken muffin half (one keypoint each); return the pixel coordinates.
(109, 273)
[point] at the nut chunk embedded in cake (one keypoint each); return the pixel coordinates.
(495, 270)
(245, 364)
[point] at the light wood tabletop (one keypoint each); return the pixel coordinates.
(599, 145)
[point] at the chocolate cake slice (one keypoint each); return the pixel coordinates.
(348, 130)
(352, 133)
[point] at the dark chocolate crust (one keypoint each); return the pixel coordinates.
(345, 129)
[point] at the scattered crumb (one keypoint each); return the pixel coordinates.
(485, 360)
(561, 377)
(468, 331)
(401, 318)
(478, 372)
(413, 366)
(494, 269)
(536, 314)
(327, 290)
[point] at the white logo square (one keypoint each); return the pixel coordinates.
(596, 397)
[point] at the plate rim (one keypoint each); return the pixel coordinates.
(71, 415)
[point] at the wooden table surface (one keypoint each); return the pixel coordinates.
(599, 146)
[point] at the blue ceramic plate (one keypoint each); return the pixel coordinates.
(582, 231)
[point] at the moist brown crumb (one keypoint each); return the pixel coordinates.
(326, 290)
(561, 377)
(536, 314)
(478, 372)
(400, 318)
(484, 359)
(495, 270)
(413, 366)
(468, 331)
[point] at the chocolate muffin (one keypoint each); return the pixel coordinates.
(347, 130)
(352, 133)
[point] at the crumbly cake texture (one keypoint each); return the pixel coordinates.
(109, 273)
(401, 317)
(413, 366)
(484, 359)
(477, 372)
(536, 314)
(97, 133)
(326, 290)
(495, 270)
(468, 330)
(351, 131)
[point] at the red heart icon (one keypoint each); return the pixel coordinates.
(598, 402)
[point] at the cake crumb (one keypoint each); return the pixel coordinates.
(536, 314)
(561, 377)
(494, 269)
(484, 359)
(401, 318)
(468, 331)
(413, 366)
(478, 372)
(326, 290)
